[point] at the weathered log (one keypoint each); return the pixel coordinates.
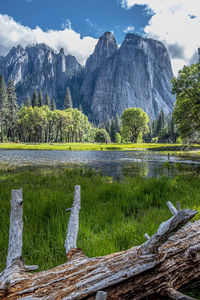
(167, 261)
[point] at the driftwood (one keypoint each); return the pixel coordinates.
(165, 262)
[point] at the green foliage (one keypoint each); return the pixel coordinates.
(134, 121)
(186, 113)
(101, 136)
(40, 124)
(118, 138)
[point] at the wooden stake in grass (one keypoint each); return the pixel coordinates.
(73, 225)
(16, 227)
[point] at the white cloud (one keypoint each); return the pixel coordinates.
(176, 23)
(13, 34)
(129, 29)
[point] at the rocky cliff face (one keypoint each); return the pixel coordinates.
(137, 74)
(40, 67)
(105, 48)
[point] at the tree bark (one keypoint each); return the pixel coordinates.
(165, 262)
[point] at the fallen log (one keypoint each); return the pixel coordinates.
(165, 262)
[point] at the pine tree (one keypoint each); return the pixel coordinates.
(118, 123)
(53, 105)
(12, 108)
(108, 124)
(68, 99)
(40, 98)
(34, 99)
(113, 130)
(3, 104)
(47, 100)
(161, 122)
(28, 101)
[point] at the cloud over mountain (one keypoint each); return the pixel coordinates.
(13, 34)
(176, 23)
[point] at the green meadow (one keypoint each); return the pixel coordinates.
(114, 215)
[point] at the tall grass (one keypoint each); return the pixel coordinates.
(114, 215)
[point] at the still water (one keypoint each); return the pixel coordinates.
(111, 163)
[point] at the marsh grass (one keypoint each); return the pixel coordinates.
(114, 215)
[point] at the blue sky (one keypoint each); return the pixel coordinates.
(88, 17)
(76, 25)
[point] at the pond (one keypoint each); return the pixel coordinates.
(111, 163)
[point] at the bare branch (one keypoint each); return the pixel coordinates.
(175, 295)
(101, 295)
(171, 208)
(178, 206)
(73, 225)
(167, 229)
(147, 236)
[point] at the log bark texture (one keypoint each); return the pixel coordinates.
(165, 262)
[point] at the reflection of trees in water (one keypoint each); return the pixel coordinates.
(136, 169)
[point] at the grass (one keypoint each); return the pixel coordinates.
(95, 146)
(114, 215)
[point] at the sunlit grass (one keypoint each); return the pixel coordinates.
(114, 215)
(95, 146)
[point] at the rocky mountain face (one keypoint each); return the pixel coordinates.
(137, 74)
(40, 67)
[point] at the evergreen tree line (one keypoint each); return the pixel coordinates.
(39, 101)
(113, 127)
(162, 130)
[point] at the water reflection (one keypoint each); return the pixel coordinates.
(111, 163)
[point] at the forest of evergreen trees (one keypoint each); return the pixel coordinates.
(38, 120)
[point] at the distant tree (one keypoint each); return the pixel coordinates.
(27, 101)
(3, 104)
(101, 136)
(113, 130)
(134, 121)
(12, 108)
(47, 101)
(68, 99)
(186, 113)
(34, 99)
(161, 121)
(53, 105)
(118, 123)
(118, 138)
(40, 99)
(108, 124)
